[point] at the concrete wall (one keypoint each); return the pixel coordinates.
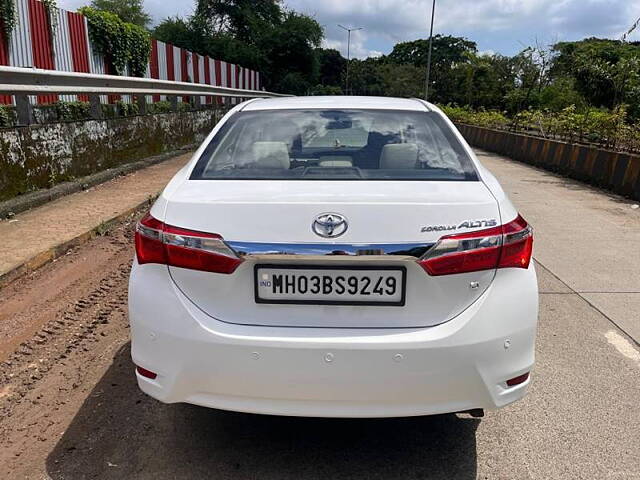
(40, 156)
(615, 171)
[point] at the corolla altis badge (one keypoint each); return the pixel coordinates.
(329, 225)
(466, 224)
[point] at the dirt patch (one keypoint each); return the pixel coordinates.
(60, 329)
(34, 300)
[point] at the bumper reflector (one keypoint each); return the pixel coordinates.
(146, 373)
(518, 380)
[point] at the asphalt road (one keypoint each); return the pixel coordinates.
(581, 419)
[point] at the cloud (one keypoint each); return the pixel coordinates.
(358, 48)
(158, 9)
(161, 9)
(503, 26)
(486, 53)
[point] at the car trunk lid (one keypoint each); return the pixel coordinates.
(390, 224)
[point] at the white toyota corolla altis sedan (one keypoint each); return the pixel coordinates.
(334, 257)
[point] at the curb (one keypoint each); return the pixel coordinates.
(40, 197)
(58, 251)
(613, 171)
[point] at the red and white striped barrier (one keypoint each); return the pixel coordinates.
(71, 51)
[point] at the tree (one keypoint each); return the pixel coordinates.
(530, 70)
(365, 77)
(281, 44)
(130, 11)
(560, 95)
(332, 66)
(285, 47)
(481, 81)
(448, 52)
(179, 31)
(290, 47)
(241, 19)
(402, 80)
(606, 72)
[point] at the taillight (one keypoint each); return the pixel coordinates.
(517, 244)
(507, 246)
(157, 242)
(149, 243)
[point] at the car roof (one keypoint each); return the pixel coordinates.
(337, 102)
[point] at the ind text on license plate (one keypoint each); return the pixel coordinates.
(334, 285)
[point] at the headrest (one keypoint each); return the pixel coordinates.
(271, 155)
(399, 155)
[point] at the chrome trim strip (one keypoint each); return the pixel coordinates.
(335, 249)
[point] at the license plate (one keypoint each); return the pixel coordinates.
(335, 285)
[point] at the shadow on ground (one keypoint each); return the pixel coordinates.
(121, 433)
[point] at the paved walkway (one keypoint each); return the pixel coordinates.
(39, 235)
(585, 238)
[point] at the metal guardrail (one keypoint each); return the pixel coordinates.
(22, 82)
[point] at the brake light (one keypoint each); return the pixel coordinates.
(507, 246)
(157, 242)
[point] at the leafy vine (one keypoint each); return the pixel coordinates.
(122, 44)
(8, 17)
(51, 6)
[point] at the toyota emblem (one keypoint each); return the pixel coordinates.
(329, 225)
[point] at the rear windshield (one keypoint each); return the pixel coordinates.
(335, 145)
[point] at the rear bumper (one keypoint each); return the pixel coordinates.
(460, 365)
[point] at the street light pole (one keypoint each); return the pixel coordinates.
(349, 30)
(427, 80)
(348, 57)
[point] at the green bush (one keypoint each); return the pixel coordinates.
(109, 110)
(608, 129)
(6, 116)
(482, 118)
(125, 109)
(71, 111)
(184, 107)
(163, 106)
(326, 90)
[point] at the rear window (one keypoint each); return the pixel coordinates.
(335, 145)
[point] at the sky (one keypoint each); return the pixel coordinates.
(497, 26)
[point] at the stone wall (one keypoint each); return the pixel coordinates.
(41, 156)
(615, 171)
